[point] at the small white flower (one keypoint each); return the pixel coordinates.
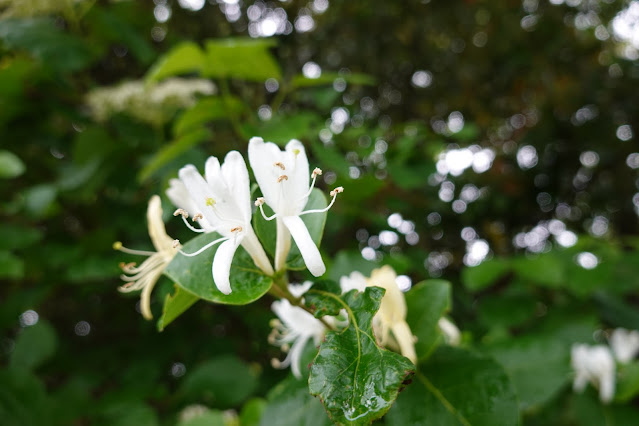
(145, 276)
(293, 329)
(596, 365)
(285, 181)
(389, 323)
(223, 201)
(624, 344)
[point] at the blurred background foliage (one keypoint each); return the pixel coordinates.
(488, 143)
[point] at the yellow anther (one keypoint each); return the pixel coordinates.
(316, 172)
(117, 245)
(337, 190)
(197, 217)
(281, 178)
(259, 202)
(210, 202)
(280, 165)
(237, 229)
(181, 212)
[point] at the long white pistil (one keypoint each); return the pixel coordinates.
(118, 246)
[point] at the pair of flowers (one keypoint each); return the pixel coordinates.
(596, 364)
(220, 201)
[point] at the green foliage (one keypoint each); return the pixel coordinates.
(427, 302)
(193, 274)
(457, 387)
(10, 165)
(290, 404)
(356, 380)
(34, 346)
(174, 305)
(241, 58)
(184, 58)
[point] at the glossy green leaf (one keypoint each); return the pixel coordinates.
(357, 380)
(321, 305)
(241, 58)
(223, 382)
(426, 303)
(173, 149)
(194, 274)
(10, 165)
(34, 346)
(174, 305)
(290, 404)
(206, 110)
(457, 387)
(184, 58)
(267, 230)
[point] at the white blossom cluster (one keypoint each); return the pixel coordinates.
(150, 103)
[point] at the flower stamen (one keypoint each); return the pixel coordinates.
(333, 193)
(281, 178)
(316, 172)
(206, 247)
(119, 247)
(185, 215)
(280, 165)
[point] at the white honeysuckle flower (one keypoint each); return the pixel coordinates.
(223, 200)
(452, 335)
(285, 181)
(596, 365)
(293, 330)
(389, 323)
(145, 276)
(180, 197)
(624, 344)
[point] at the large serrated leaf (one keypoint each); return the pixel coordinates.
(457, 387)
(426, 303)
(194, 274)
(267, 230)
(357, 380)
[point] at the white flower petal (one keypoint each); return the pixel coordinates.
(308, 249)
(200, 192)
(222, 264)
(356, 280)
(404, 338)
(161, 241)
(236, 176)
(299, 177)
(262, 157)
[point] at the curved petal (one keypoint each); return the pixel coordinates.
(262, 157)
(200, 192)
(222, 264)
(236, 177)
(179, 196)
(299, 175)
(404, 338)
(308, 249)
(161, 241)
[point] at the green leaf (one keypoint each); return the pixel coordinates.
(23, 399)
(11, 266)
(241, 58)
(34, 346)
(290, 404)
(129, 413)
(485, 274)
(224, 382)
(319, 303)
(173, 149)
(628, 382)
(252, 412)
(457, 387)
(194, 274)
(426, 303)
(348, 261)
(539, 366)
(184, 58)
(205, 110)
(357, 380)
(545, 269)
(328, 78)
(267, 230)
(47, 43)
(282, 128)
(175, 305)
(10, 165)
